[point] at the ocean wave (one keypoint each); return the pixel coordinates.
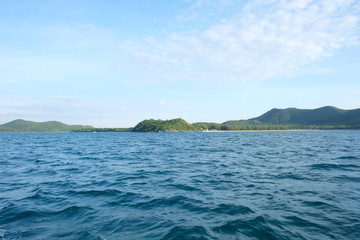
(256, 228)
(254, 185)
(187, 232)
(330, 166)
(179, 201)
(184, 187)
(348, 158)
(96, 193)
(231, 209)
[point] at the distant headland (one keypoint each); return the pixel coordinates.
(275, 119)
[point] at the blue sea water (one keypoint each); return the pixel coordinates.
(222, 185)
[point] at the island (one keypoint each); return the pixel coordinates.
(21, 125)
(276, 119)
(174, 125)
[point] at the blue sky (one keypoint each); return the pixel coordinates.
(112, 63)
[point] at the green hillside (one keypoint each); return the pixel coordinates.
(275, 119)
(325, 116)
(174, 125)
(29, 126)
(293, 118)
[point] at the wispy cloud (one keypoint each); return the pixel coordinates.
(91, 69)
(262, 40)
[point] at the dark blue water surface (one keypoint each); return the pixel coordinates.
(223, 185)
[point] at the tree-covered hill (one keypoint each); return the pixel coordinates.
(325, 116)
(174, 125)
(275, 119)
(293, 118)
(29, 126)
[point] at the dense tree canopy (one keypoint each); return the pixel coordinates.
(174, 125)
(275, 119)
(29, 126)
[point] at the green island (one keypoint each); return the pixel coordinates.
(20, 125)
(174, 125)
(275, 119)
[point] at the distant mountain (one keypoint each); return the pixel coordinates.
(275, 119)
(321, 116)
(29, 126)
(293, 118)
(174, 125)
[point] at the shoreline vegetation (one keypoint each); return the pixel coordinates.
(324, 118)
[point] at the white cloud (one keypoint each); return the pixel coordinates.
(263, 40)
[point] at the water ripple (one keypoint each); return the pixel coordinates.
(223, 185)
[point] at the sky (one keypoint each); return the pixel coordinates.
(110, 63)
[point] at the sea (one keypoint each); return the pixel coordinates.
(200, 185)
